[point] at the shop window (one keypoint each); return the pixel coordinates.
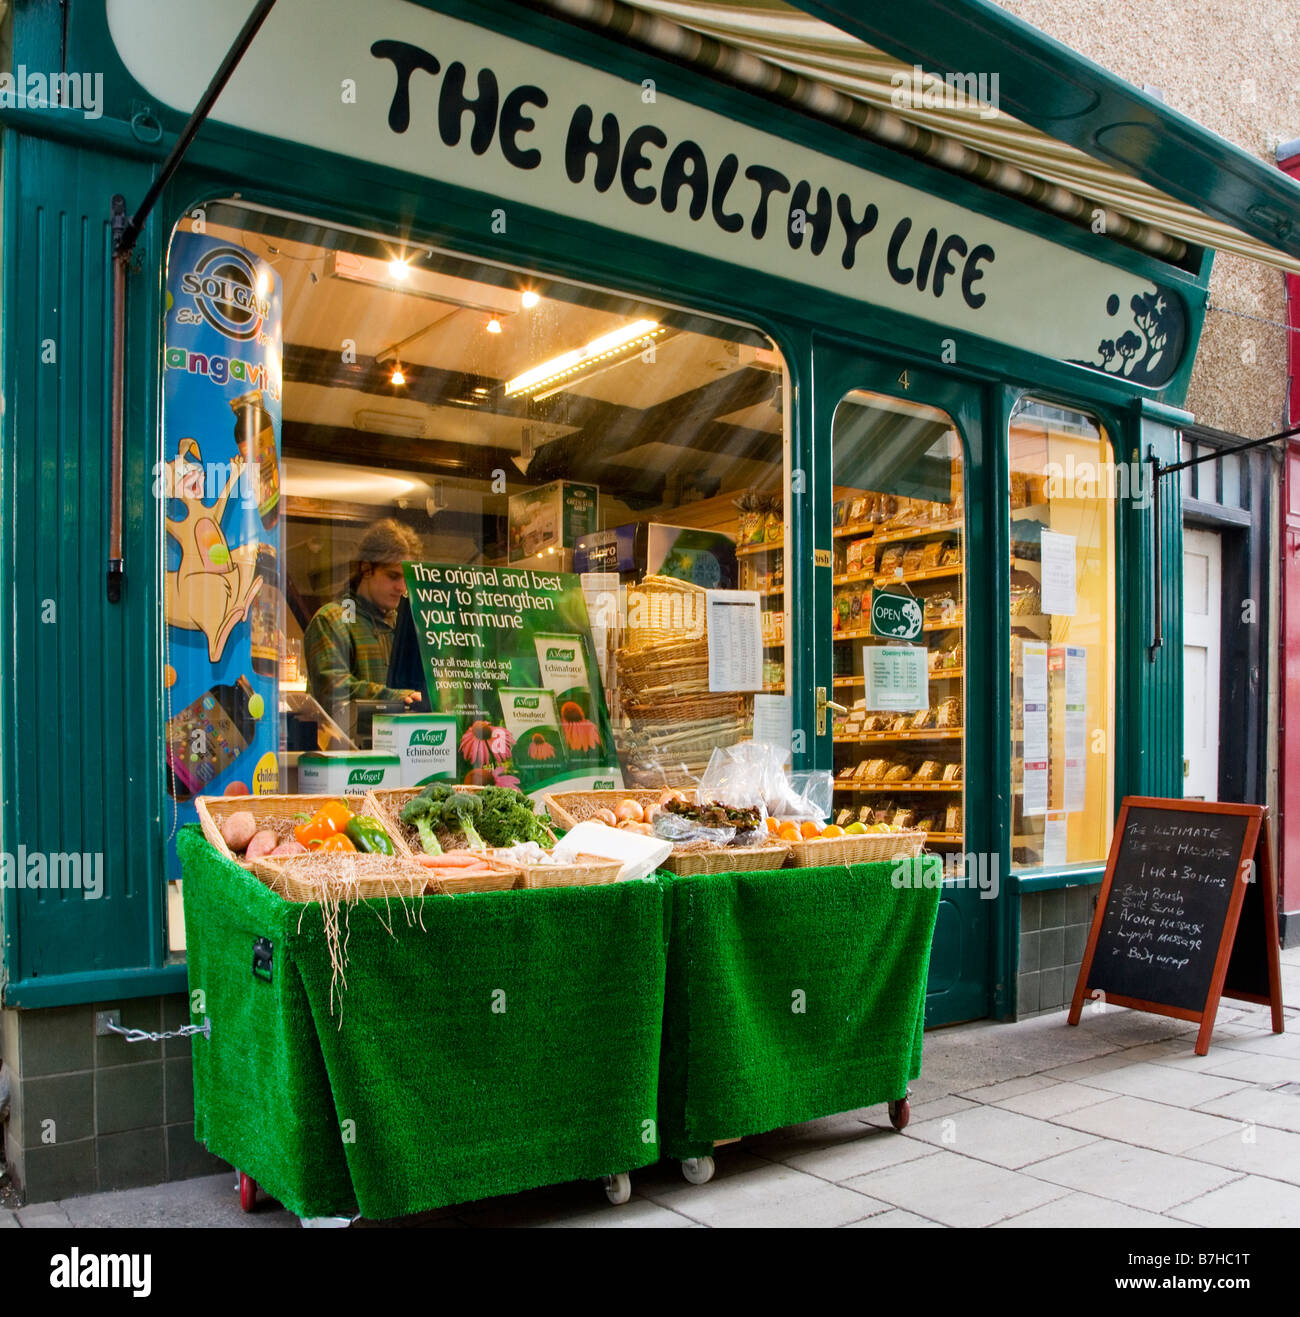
(360, 402)
(898, 619)
(1064, 489)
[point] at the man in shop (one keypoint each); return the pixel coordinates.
(349, 641)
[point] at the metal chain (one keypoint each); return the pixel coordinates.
(1259, 320)
(144, 1036)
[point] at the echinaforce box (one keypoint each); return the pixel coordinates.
(329, 772)
(424, 742)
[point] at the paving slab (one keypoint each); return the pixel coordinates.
(8, 1220)
(1256, 1150)
(875, 1151)
(1055, 1099)
(1273, 1044)
(1004, 1138)
(957, 1191)
(1147, 1124)
(1261, 1105)
(1256, 1068)
(776, 1196)
(1250, 1201)
(791, 1140)
(1078, 1211)
(210, 1200)
(1083, 1070)
(1153, 1181)
(894, 1219)
(43, 1216)
(1007, 1089)
(1157, 1083)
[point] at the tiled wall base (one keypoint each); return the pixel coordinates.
(1053, 934)
(89, 1114)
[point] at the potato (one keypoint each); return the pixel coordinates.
(238, 829)
(263, 843)
(290, 847)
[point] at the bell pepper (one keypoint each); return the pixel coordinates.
(338, 841)
(329, 819)
(368, 835)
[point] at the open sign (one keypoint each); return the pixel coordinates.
(895, 616)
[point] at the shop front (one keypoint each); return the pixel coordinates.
(466, 285)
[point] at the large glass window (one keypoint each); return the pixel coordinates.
(1064, 488)
(415, 405)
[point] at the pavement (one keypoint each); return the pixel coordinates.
(1113, 1123)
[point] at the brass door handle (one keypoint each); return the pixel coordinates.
(822, 705)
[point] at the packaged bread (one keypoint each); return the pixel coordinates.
(874, 770)
(929, 771)
(948, 712)
(950, 555)
(858, 511)
(845, 817)
(903, 818)
(900, 722)
(891, 560)
(931, 552)
(922, 719)
(942, 608)
(853, 558)
(952, 773)
(847, 772)
(912, 556)
(927, 823)
(952, 819)
(866, 814)
(898, 772)
(877, 722)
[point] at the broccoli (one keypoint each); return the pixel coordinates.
(507, 817)
(424, 814)
(459, 812)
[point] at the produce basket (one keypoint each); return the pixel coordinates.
(279, 814)
(339, 876)
(863, 848)
(662, 654)
(386, 805)
(662, 715)
(586, 871)
(728, 859)
(663, 608)
(569, 808)
(505, 875)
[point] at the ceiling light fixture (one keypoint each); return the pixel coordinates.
(494, 326)
(560, 369)
(400, 269)
(530, 299)
(398, 377)
(419, 282)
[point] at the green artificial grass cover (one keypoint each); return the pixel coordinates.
(511, 1042)
(791, 995)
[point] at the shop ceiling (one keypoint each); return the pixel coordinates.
(1068, 137)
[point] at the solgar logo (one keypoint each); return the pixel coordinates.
(228, 293)
(430, 736)
(528, 702)
(365, 777)
(557, 655)
(75, 1270)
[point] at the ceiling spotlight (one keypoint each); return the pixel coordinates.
(397, 376)
(399, 270)
(494, 326)
(530, 298)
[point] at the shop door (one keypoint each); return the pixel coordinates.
(896, 626)
(1202, 630)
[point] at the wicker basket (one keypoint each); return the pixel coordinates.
(663, 715)
(728, 859)
(344, 876)
(662, 655)
(386, 805)
(505, 876)
(864, 848)
(586, 871)
(279, 814)
(569, 808)
(663, 608)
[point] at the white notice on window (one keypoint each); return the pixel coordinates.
(896, 678)
(774, 721)
(1058, 574)
(1076, 727)
(735, 640)
(1034, 726)
(1055, 840)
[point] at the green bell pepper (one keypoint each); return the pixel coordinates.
(368, 835)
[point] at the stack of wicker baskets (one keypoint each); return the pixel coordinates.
(674, 720)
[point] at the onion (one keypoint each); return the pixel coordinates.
(606, 816)
(629, 811)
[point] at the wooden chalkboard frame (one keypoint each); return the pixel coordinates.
(1256, 845)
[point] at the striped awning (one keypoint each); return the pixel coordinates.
(784, 53)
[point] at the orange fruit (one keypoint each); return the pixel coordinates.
(833, 830)
(788, 832)
(772, 825)
(808, 829)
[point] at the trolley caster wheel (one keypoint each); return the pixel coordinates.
(247, 1192)
(697, 1170)
(900, 1113)
(618, 1188)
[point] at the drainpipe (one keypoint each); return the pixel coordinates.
(125, 233)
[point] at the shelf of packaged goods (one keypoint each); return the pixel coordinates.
(943, 838)
(893, 788)
(744, 550)
(947, 674)
(854, 578)
(920, 734)
(773, 686)
(920, 531)
(924, 574)
(768, 594)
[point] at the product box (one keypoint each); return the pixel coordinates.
(530, 717)
(335, 772)
(424, 742)
(562, 662)
(550, 518)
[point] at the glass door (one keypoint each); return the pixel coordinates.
(905, 639)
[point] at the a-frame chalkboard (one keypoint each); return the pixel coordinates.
(1187, 914)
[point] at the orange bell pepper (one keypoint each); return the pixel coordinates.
(328, 820)
(338, 841)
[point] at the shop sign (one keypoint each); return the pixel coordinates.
(396, 84)
(895, 616)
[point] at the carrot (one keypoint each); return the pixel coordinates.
(449, 860)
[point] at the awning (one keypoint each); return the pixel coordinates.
(1067, 137)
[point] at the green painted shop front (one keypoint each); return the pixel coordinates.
(82, 720)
